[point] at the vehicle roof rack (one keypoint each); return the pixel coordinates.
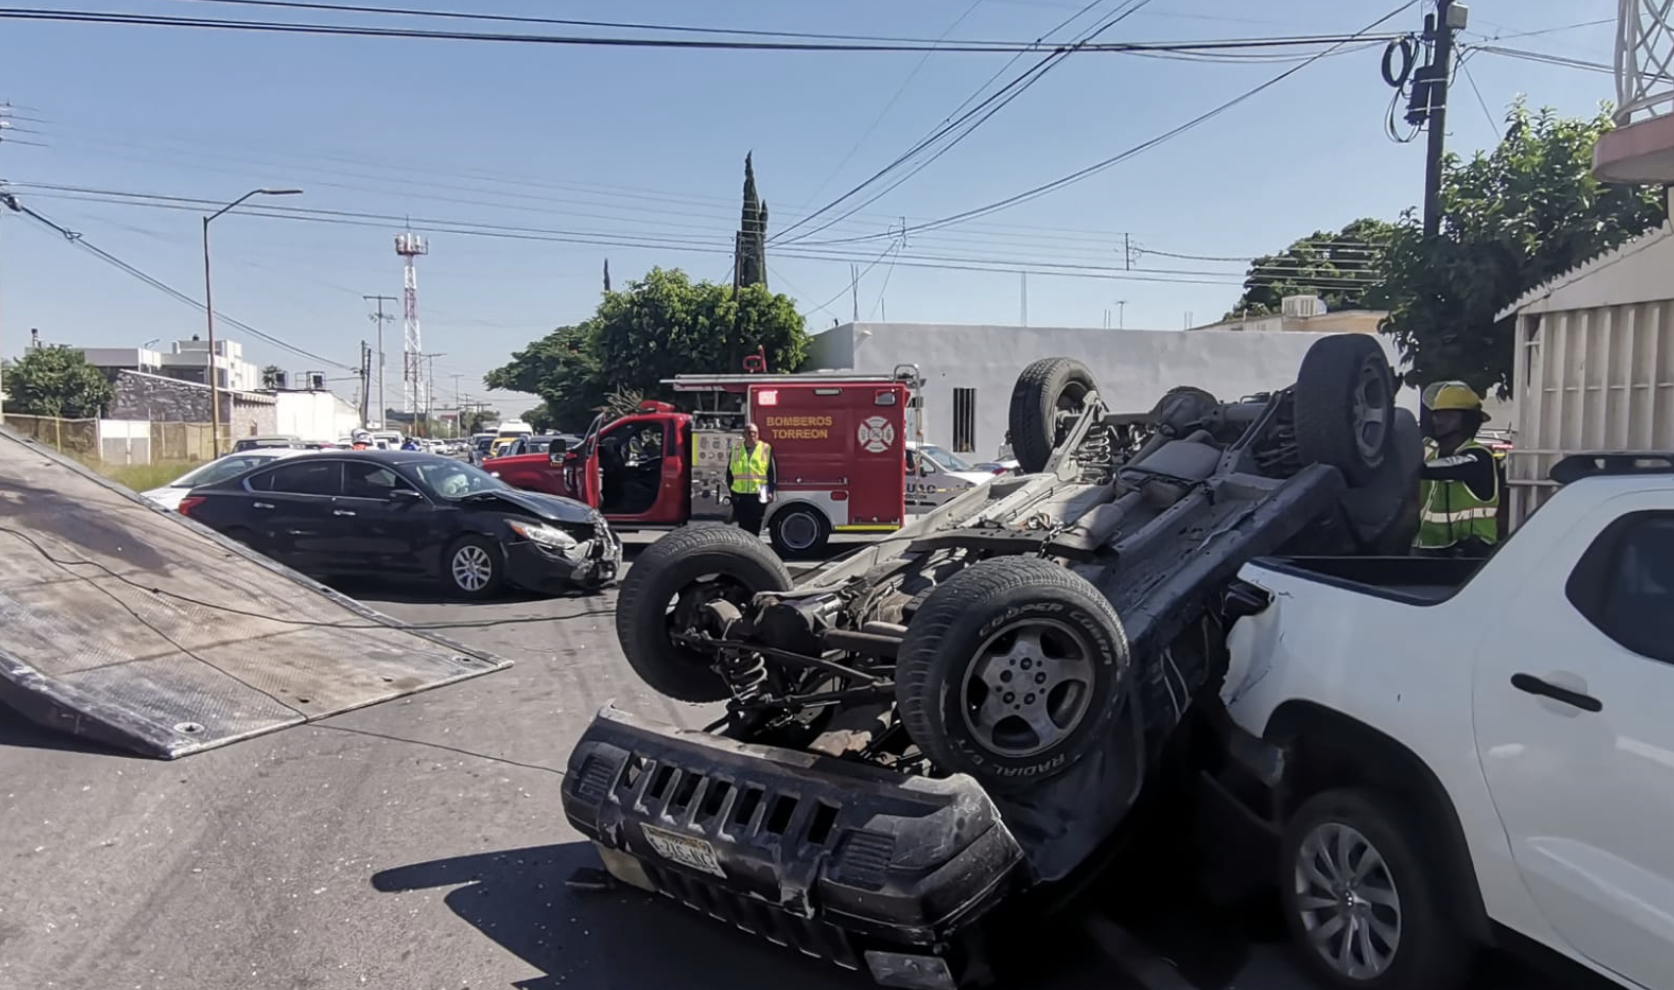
(1611, 463)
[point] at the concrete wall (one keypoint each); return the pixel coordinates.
(1134, 367)
(155, 398)
(313, 416)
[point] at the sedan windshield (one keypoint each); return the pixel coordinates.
(230, 466)
(456, 479)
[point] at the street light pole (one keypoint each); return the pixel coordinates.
(212, 372)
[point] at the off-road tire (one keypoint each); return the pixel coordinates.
(953, 624)
(497, 569)
(1033, 418)
(781, 518)
(1383, 514)
(658, 575)
(1326, 399)
(1433, 953)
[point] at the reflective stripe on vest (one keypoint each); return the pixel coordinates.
(1450, 512)
(749, 468)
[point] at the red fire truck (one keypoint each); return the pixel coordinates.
(838, 440)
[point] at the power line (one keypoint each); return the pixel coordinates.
(563, 21)
(1010, 92)
(351, 218)
(108, 258)
(1138, 149)
(367, 31)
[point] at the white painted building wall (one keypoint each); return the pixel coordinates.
(1134, 367)
(314, 416)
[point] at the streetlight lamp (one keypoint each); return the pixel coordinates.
(209, 315)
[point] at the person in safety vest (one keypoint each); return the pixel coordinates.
(1461, 487)
(751, 478)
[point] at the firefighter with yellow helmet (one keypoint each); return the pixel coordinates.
(1461, 488)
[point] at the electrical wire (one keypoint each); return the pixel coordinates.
(1465, 70)
(111, 259)
(366, 31)
(890, 104)
(343, 8)
(1010, 92)
(1138, 149)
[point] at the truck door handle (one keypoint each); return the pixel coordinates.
(342, 512)
(1546, 689)
(264, 505)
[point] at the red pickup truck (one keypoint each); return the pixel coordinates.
(838, 440)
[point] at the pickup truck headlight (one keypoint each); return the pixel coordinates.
(546, 536)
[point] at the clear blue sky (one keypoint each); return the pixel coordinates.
(627, 145)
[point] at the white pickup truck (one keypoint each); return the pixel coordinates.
(1438, 755)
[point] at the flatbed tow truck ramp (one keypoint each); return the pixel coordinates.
(135, 627)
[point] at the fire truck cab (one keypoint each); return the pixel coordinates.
(839, 445)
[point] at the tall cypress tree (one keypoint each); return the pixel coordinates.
(752, 232)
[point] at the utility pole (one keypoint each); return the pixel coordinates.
(430, 385)
(365, 379)
(854, 290)
(1121, 314)
(1024, 292)
(1127, 252)
(380, 317)
(1428, 103)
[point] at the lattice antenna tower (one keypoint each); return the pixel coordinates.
(409, 246)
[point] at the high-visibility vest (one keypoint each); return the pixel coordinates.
(1450, 512)
(749, 468)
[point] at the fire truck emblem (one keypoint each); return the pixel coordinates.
(876, 435)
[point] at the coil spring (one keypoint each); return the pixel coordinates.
(1096, 455)
(745, 674)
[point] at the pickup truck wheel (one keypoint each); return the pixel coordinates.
(799, 531)
(1010, 671)
(1044, 402)
(1344, 402)
(1366, 909)
(663, 598)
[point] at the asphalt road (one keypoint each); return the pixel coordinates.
(416, 844)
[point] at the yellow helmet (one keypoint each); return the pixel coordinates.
(1451, 395)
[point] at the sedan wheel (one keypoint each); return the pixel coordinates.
(473, 568)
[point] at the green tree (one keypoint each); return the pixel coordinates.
(751, 250)
(1345, 268)
(56, 381)
(539, 418)
(271, 375)
(480, 418)
(1511, 219)
(562, 369)
(658, 327)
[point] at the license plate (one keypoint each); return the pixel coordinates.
(694, 854)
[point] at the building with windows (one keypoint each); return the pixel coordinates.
(185, 360)
(969, 371)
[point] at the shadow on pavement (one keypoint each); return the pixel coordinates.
(18, 733)
(613, 939)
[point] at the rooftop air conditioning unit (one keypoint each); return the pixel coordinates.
(1303, 306)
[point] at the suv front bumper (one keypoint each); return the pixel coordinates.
(844, 861)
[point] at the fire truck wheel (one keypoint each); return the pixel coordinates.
(1044, 402)
(1345, 405)
(799, 531)
(1010, 671)
(663, 597)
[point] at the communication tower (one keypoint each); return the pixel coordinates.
(409, 246)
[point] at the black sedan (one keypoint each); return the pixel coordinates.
(396, 513)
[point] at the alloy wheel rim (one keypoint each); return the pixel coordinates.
(472, 568)
(1347, 901)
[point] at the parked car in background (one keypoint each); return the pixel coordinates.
(222, 468)
(936, 475)
(273, 440)
(409, 514)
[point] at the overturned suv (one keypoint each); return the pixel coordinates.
(968, 710)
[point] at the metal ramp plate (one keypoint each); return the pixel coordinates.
(138, 628)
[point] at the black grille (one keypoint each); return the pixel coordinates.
(863, 860)
(594, 780)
